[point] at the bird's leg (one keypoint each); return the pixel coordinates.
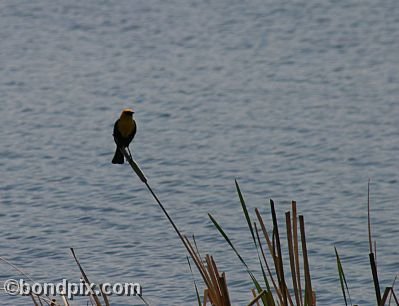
(130, 154)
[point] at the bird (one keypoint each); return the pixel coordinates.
(124, 131)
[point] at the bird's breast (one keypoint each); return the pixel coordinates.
(126, 127)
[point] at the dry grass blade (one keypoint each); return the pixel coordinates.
(47, 300)
(274, 257)
(385, 296)
(256, 297)
(313, 298)
(296, 249)
(86, 279)
(196, 247)
(54, 303)
(217, 291)
(265, 233)
(104, 295)
(279, 261)
(40, 298)
(16, 268)
(222, 284)
(291, 255)
(392, 292)
(375, 278)
(394, 296)
(206, 295)
(225, 290)
(33, 299)
(268, 268)
(368, 217)
(217, 300)
(308, 283)
(66, 303)
(201, 268)
(41, 304)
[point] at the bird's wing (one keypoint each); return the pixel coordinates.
(131, 136)
(116, 133)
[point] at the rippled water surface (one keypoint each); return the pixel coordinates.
(295, 99)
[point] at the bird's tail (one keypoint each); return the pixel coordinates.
(118, 157)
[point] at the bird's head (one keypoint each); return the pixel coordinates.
(127, 112)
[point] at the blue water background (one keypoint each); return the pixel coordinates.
(298, 100)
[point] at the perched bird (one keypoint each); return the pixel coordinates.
(124, 131)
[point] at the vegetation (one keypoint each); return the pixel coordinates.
(273, 289)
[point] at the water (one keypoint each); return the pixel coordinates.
(296, 100)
